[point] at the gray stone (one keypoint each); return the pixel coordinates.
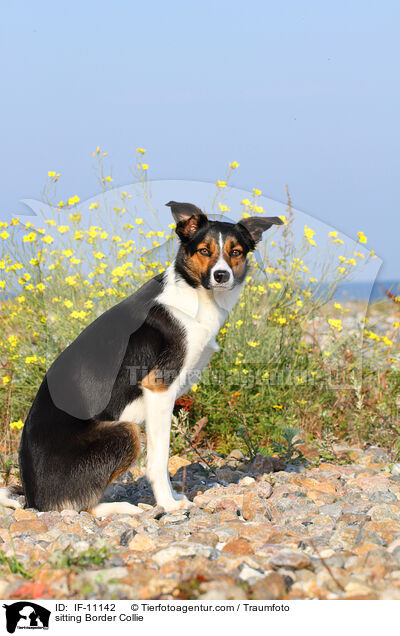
(333, 510)
(289, 559)
(382, 497)
(177, 550)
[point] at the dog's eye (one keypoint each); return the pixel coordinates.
(236, 253)
(204, 251)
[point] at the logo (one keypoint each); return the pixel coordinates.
(26, 615)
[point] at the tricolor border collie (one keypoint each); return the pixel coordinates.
(128, 367)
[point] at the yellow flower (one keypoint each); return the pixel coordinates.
(299, 303)
(245, 202)
(251, 343)
(29, 238)
(99, 255)
(12, 340)
(71, 280)
(145, 166)
(281, 320)
(338, 240)
(139, 222)
(4, 235)
(239, 323)
(224, 208)
(257, 192)
(195, 387)
(361, 237)
(386, 341)
(396, 325)
(283, 218)
(17, 424)
(30, 359)
(60, 204)
(6, 379)
(308, 232)
(338, 306)
(371, 335)
(333, 234)
(313, 280)
(327, 353)
(93, 206)
(277, 406)
(67, 253)
(76, 216)
(63, 229)
(67, 303)
(73, 200)
(141, 150)
(335, 323)
(2, 284)
(78, 314)
(40, 287)
(234, 165)
(220, 184)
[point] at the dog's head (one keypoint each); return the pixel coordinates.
(214, 253)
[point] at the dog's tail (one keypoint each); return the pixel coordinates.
(5, 499)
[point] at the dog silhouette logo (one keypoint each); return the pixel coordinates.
(26, 615)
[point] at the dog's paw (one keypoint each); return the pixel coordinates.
(181, 503)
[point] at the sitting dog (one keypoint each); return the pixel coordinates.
(128, 367)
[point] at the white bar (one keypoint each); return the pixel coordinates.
(311, 618)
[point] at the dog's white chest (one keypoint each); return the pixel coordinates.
(199, 315)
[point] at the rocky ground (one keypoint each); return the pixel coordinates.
(258, 531)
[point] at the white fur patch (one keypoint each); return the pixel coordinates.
(222, 266)
(6, 501)
(116, 508)
(133, 412)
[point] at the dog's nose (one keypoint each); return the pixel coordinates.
(221, 275)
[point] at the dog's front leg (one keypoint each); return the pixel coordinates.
(158, 414)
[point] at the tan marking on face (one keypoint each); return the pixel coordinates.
(236, 263)
(199, 264)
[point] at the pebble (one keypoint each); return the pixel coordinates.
(258, 530)
(289, 559)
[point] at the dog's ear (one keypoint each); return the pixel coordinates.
(188, 218)
(256, 225)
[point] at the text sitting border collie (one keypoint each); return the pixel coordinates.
(128, 367)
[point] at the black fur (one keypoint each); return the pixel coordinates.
(66, 461)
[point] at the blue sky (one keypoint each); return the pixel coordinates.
(298, 92)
